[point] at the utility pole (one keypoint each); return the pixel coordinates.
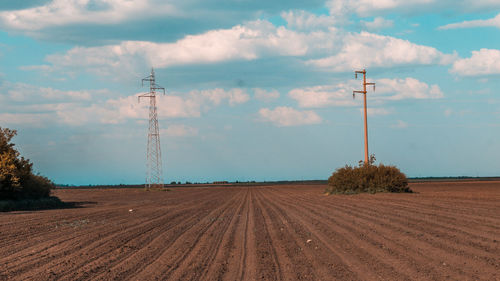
(154, 178)
(365, 110)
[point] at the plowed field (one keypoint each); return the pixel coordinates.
(445, 231)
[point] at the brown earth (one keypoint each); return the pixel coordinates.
(445, 231)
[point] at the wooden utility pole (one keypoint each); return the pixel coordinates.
(365, 110)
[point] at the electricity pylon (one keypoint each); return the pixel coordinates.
(364, 92)
(154, 177)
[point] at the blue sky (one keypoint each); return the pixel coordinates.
(256, 90)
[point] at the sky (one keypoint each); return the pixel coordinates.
(255, 90)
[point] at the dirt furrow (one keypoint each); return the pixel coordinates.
(445, 231)
(67, 253)
(365, 236)
(445, 216)
(72, 221)
(311, 258)
(438, 254)
(453, 240)
(129, 258)
(292, 262)
(247, 270)
(268, 267)
(57, 246)
(171, 257)
(203, 256)
(342, 243)
(123, 249)
(220, 266)
(234, 262)
(127, 265)
(459, 233)
(23, 239)
(75, 256)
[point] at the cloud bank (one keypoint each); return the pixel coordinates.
(283, 116)
(386, 90)
(494, 22)
(482, 62)
(328, 49)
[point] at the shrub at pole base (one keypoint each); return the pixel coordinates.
(367, 178)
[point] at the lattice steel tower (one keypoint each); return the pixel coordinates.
(154, 177)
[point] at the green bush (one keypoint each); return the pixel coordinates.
(367, 178)
(17, 180)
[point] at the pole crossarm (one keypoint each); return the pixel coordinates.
(371, 84)
(359, 92)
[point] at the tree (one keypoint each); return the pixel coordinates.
(16, 176)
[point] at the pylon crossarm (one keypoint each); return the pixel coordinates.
(146, 95)
(147, 79)
(158, 88)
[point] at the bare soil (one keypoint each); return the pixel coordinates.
(444, 231)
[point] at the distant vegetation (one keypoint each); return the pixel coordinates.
(367, 178)
(17, 180)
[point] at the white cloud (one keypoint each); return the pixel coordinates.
(303, 20)
(170, 106)
(366, 8)
(22, 92)
(179, 130)
(365, 50)
(482, 62)
(67, 12)
(216, 96)
(242, 42)
(494, 22)
(408, 88)
(134, 16)
(113, 111)
(266, 95)
(324, 96)
(31, 103)
(37, 120)
(378, 23)
(386, 89)
(77, 115)
(283, 116)
(326, 49)
(470, 5)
